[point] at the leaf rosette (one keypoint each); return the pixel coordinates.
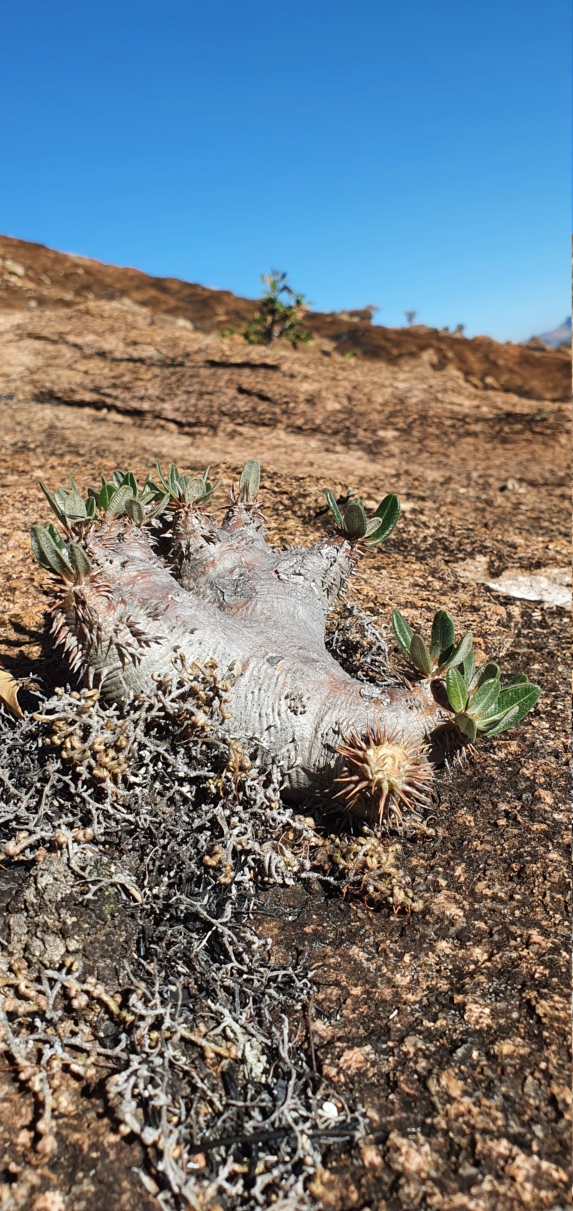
(354, 525)
(475, 694)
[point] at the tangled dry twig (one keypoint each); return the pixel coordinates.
(203, 1043)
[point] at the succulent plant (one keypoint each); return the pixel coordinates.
(354, 525)
(71, 510)
(67, 560)
(178, 490)
(225, 592)
(482, 705)
(120, 497)
(443, 653)
(278, 316)
(476, 696)
(250, 480)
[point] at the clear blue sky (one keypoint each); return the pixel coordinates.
(413, 155)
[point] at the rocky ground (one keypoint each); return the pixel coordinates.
(38, 279)
(449, 1025)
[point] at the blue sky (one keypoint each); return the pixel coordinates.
(415, 156)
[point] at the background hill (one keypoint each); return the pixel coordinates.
(37, 278)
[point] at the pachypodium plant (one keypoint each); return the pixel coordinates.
(127, 615)
(279, 314)
(475, 694)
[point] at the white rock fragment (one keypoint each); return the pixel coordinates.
(551, 586)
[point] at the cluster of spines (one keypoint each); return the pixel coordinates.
(384, 774)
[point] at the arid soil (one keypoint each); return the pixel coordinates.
(449, 1025)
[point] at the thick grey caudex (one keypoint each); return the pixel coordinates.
(150, 580)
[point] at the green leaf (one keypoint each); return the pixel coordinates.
(468, 669)
(147, 494)
(134, 509)
(162, 479)
(443, 634)
(355, 523)
(420, 656)
(117, 479)
(388, 512)
(210, 490)
(493, 727)
(173, 478)
(131, 480)
(523, 695)
(37, 547)
(194, 489)
(116, 505)
(466, 724)
(402, 631)
(52, 502)
(333, 506)
(459, 653)
(105, 495)
(79, 560)
(160, 506)
(75, 512)
(372, 528)
(486, 672)
(90, 506)
(61, 499)
(493, 714)
(76, 508)
(250, 480)
(52, 556)
(457, 690)
(485, 697)
(519, 679)
(57, 538)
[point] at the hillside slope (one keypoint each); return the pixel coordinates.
(39, 278)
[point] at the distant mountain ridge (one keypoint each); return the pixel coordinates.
(559, 336)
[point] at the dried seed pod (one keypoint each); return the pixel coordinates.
(384, 772)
